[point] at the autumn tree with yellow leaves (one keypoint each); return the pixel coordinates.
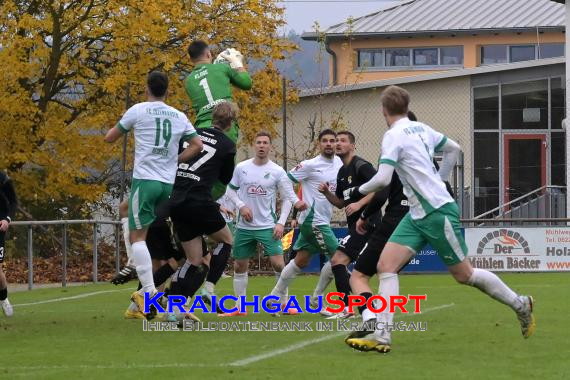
(66, 69)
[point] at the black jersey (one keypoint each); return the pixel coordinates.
(356, 173)
(8, 200)
(397, 202)
(195, 178)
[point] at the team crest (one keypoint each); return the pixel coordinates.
(349, 179)
(267, 175)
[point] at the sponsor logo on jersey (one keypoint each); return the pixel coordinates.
(256, 190)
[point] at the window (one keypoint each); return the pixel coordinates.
(370, 58)
(551, 50)
(493, 54)
(365, 58)
(486, 107)
(452, 55)
(397, 57)
(486, 171)
(410, 57)
(558, 159)
(425, 57)
(522, 53)
(525, 105)
(557, 105)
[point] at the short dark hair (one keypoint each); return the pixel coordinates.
(327, 131)
(263, 134)
(197, 48)
(395, 100)
(157, 83)
(350, 135)
(412, 116)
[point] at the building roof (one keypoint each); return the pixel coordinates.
(453, 16)
(434, 76)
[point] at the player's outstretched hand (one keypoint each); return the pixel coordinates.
(246, 213)
(301, 206)
(4, 224)
(324, 188)
(227, 212)
(294, 223)
(234, 57)
(352, 208)
(361, 225)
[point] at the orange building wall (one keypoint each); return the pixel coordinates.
(346, 51)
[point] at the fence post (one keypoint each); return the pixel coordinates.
(64, 259)
(95, 252)
(461, 185)
(284, 107)
(30, 259)
(117, 249)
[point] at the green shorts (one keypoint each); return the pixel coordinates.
(232, 227)
(245, 243)
(316, 239)
(145, 196)
(219, 189)
(441, 229)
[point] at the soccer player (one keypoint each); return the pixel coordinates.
(129, 271)
(210, 83)
(220, 255)
(257, 182)
(354, 172)
(192, 209)
(8, 203)
(408, 148)
(315, 233)
(158, 129)
(166, 255)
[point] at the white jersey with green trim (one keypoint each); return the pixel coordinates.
(310, 174)
(257, 187)
(158, 130)
(409, 146)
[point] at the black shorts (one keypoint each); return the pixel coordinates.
(370, 254)
(192, 220)
(352, 244)
(160, 242)
(2, 240)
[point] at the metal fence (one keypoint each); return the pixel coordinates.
(116, 225)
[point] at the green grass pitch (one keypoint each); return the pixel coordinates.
(79, 332)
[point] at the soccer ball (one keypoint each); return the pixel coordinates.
(221, 59)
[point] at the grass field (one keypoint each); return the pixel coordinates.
(79, 332)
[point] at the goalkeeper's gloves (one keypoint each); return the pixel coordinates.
(234, 57)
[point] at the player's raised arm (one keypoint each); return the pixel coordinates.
(124, 126)
(450, 151)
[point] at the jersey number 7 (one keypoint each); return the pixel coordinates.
(207, 153)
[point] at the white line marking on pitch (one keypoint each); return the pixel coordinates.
(237, 363)
(296, 346)
(79, 296)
